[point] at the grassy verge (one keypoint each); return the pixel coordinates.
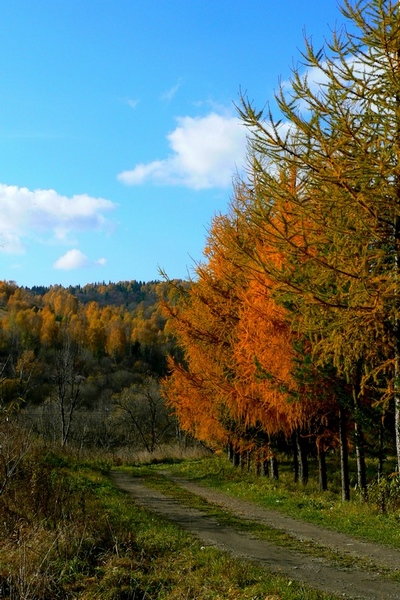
(68, 533)
(356, 518)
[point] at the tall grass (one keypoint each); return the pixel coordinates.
(123, 456)
(67, 533)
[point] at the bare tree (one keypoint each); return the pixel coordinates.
(145, 407)
(15, 442)
(67, 379)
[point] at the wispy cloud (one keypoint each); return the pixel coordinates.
(29, 215)
(171, 93)
(75, 259)
(132, 102)
(206, 151)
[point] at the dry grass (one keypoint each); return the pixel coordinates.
(67, 533)
(166, 453)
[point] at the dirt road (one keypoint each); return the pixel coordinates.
(354, 583)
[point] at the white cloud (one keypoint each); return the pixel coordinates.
(73, 259)
(206, 151)
(45, 214)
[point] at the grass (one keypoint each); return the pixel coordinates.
(68, 533)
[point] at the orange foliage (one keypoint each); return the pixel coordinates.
(239, 349)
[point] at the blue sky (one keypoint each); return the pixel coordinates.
(118, 132)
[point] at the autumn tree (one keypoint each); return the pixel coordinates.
(202, 389)
(286, 391)
(235, 383)
(338, 226)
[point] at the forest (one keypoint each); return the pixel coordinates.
(81, 366)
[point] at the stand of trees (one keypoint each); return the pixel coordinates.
(291, 331)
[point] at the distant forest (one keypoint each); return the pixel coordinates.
(82, 365)
(124, 293)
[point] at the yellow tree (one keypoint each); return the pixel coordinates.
(96, 334)
(116, 336)
(338, 138)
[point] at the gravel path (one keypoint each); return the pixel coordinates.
(317, 572)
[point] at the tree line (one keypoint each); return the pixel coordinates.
(290, 329)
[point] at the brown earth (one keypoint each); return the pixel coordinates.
(367, 583)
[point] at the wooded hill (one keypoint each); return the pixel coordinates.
(128, 294)
(82, 364)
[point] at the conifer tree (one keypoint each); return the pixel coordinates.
(324, 189)
(204, 318)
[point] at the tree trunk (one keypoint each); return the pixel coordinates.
(359, 435)
(344, 454)
(248, 460)
(360, 459)
(381, 456)
(243, 460)
(322, 474)
(236, 458)
(274, 472)
(295, 459)
(231, 453)
(265, 464)
(302, 459)
(258, 464)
